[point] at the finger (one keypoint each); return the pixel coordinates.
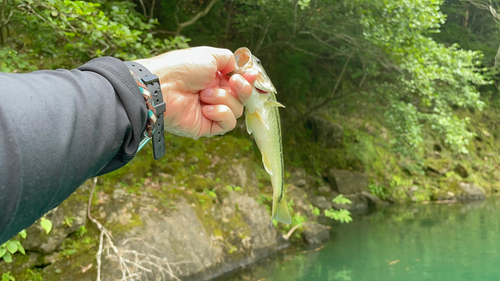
(241, 87)
(224, 60)
(223, 97)
(222, 117)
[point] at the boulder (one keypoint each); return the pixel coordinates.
(242, 174)
(298, 177)
(315, 233)
(325, 132)
(321, 202)
(438, 167)
(346, 182)
(374, 200)
(359, 204)
(120, 194)
(198, 242)
(470, 191)
(299, 197)
(65, 219)
(459, 169)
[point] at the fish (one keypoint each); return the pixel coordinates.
(262, 120)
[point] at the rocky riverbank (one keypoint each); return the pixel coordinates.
(204, 210)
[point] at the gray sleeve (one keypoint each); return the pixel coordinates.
(59, 128)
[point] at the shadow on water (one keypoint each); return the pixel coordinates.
(459, 241)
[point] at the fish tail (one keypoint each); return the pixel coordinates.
(280, 211)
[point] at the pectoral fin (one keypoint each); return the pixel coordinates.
(249, 122)
(274, 103)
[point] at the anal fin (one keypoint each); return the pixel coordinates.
(251, 120)
(267, 163)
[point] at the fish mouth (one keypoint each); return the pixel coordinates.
(261, 91)
(242, 57)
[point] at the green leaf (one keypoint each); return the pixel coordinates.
(21, 249)
(7, 257)
(2, 251)
(12, 247)
(238, 188)
(23, 234)
(46, 225)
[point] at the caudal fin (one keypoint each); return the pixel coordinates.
(280, 211)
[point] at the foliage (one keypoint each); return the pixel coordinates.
(8, 277)
(10, 247)
(68, 221)
(80, 30)
(378, 190)
(46, 225)
(342, 215)
(382, 51)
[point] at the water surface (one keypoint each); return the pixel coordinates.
(456, 242)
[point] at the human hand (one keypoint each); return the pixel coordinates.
(201, 100)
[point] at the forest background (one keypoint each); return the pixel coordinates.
(413, 85)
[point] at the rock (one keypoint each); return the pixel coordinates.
(437, 167)
(300, 178)
(202, 241)
(324, 190)
(299, 197)
(470, 191)
(373, 200)
(120, 194)
(65, 219)
(315, 233)
(321, 202)
(359, 204)
(346, 182)
(459, 169)
(411, 192)
(325, 132)
(243, 175)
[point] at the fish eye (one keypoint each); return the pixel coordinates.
(258, 61)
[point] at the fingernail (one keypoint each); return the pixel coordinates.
(240, 83)
(208, 93)
(209, 108)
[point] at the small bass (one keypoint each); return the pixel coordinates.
(263, 122)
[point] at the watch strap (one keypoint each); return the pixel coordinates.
(153, 86)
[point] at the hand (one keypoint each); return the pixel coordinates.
(201, 100)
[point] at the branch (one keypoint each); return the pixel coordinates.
(142, 263)
(332, 95)
(287, 236)
(151, 14)
(195, 18)
(261, 39)
(307, 52)
(228, 20)
(143, 8)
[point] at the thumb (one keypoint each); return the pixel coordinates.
(224, 60)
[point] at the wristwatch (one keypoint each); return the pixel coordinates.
(153, 83)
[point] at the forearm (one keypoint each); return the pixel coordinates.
(59, 128)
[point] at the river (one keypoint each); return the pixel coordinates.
(459, 241)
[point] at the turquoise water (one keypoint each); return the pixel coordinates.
(420, 242)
